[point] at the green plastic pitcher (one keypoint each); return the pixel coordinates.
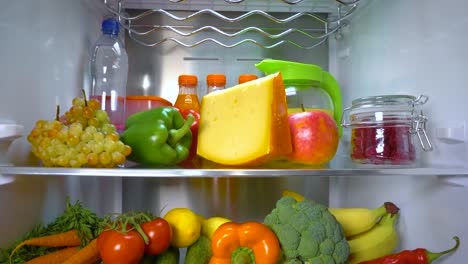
(307, 86)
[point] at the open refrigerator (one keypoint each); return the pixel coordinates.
(371, 47)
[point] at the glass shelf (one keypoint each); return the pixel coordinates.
(165, 172)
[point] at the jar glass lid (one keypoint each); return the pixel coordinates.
(403, 104)
(384, 100)
(374, 111)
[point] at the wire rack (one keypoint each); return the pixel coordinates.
(280, 34)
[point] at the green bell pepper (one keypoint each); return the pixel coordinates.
(159, 136)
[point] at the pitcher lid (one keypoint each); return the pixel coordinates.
(291, 70)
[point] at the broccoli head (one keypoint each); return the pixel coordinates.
(308, 232)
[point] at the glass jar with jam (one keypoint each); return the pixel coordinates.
(384, 129)
(187, 98)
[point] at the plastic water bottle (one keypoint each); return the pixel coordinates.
(109, 69)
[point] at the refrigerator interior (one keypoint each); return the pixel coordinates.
(385, 49)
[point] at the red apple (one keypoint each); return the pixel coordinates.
(314, 137)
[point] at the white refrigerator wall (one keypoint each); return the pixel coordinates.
(44, 51)
(411, 47)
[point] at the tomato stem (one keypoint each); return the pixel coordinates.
(119, 222)
(142, 233)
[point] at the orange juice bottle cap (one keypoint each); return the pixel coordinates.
(247, 77)
(216, 79)
(191, 80)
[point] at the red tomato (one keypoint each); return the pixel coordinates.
(115, 247)
(159, 233)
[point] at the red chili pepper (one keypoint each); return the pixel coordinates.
(416, 256)
(193, 128)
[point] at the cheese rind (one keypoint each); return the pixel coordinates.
(246, 124)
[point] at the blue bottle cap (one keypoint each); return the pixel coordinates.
(110, 26)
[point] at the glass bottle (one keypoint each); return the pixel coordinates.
(188, 98)
(215, 82)
(246, 77)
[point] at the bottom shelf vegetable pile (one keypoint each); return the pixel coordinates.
(296, 231)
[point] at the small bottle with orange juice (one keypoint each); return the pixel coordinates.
(246, 77)
(215, 82)
(188, 98)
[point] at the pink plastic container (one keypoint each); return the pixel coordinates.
(135, 104)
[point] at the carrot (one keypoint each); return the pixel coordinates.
(65, 239)
(56, 257)
(88, 254)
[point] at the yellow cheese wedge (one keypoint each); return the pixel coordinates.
(246, 124)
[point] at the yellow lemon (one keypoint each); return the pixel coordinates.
(186, 227)
(210, 225)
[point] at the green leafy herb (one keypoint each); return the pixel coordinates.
(75, 216)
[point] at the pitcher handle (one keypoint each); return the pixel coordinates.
(330, 85)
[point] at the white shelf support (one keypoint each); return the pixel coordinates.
(8, 133)
(452, 134)
(455, 180)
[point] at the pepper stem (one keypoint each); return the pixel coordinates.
(242, 255)
(431, 256)
(175, 135)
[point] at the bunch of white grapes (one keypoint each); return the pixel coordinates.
(83, 137)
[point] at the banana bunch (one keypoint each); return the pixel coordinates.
(380, 240)
(370, 233)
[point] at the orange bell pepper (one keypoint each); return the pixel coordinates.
(249, 242)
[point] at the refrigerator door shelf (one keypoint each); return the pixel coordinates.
(8, 133)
